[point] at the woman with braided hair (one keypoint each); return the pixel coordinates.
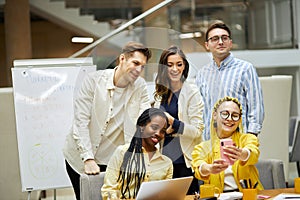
(226, 123)
(140, 161)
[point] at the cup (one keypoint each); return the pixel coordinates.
(297, 184)
(249, 194)
(209, 190)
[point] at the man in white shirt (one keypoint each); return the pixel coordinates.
(105, 113)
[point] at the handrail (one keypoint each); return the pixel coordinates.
(127, 24)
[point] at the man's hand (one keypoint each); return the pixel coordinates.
(91, 167)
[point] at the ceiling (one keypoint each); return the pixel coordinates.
(108, 10)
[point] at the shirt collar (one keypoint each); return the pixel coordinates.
(156, 155)
(110, 80)
(110, 83)
(225, 62)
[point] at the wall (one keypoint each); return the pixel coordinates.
(48, 41)
(10, 181)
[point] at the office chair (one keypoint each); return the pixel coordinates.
(90, 186)
(294, 141)
(271, 173)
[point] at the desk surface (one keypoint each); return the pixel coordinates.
(271, 193)
(275, 192)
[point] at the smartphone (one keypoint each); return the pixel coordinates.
(225, 142)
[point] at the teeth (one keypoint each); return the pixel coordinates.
(229, 124)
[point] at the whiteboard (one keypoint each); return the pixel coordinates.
(43, 98)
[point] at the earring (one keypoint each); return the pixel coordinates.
(215, 124)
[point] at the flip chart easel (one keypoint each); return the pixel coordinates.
(43, 98)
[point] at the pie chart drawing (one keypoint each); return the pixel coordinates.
(43, 162)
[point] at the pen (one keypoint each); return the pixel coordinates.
(255, 185)
(246, 184)
(250, 184)
(242, 184)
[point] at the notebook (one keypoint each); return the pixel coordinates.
(174, 189)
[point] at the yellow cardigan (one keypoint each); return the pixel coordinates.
(241, 170)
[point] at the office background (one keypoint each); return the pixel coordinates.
(265, 32)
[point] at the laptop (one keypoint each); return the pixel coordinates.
(174, 189)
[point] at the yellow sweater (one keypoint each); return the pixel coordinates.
(209, 150)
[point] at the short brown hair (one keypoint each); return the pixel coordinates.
(132, 46)
(217, 24)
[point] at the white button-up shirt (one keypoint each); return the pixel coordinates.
(93, 112)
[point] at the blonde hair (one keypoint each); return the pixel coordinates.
(216, 106)
(227, 98)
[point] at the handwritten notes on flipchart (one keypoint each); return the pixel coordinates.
(43, 100)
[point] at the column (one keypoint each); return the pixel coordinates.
(156, 34)
(17, 36)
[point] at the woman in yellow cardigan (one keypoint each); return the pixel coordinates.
(226, 122)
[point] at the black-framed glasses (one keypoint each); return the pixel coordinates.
(216, 39)
(224, 114)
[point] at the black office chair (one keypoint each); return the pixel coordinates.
(294, 141)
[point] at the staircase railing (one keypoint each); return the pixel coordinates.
(121, 28)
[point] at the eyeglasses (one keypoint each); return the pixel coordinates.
(216, 39)
(234, 116)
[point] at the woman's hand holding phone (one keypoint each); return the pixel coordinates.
(231, 153)
(226, 146)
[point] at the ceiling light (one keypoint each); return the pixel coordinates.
(82, 39)
(190, 35)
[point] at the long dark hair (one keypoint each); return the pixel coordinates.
(133, 167)
(162, 82)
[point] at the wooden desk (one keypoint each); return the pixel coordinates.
(271, 193)
(275, 192)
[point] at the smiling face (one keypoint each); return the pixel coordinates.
(226, 127)
(175, 68)
(131, 66)
(220, 49)
(153, 132)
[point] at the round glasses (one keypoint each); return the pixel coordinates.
(234, 116)
(216, 39)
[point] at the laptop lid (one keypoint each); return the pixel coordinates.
(174, 189)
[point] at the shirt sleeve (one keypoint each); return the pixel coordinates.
(254, 96)
(112, 173)
(200, 155)
(82, 115)
(178, 126)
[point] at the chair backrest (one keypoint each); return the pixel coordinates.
(271, 173)
(90, 186)
(295, 148)
(292, 127)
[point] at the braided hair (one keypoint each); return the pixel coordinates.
(133, 167)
